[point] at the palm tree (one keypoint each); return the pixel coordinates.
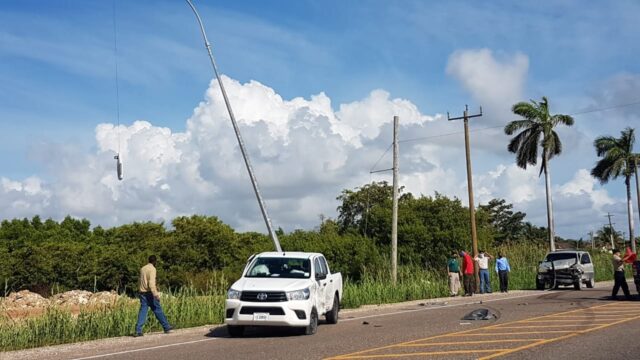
(617, 160)
(537, 129)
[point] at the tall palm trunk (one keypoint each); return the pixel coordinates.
(630, 213)
(547, 181)
(633, 243)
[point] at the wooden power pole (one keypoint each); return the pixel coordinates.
(394, 216)
(610, 230)
(472, 212)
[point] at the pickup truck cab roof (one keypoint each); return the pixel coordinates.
(289, 254)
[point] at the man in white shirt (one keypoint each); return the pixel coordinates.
(483, 264)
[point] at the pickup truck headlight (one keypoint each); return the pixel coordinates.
(233, 294)
(299, 294)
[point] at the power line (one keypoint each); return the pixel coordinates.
(449, 134)
(380, 158)
(606, 108)
(492, 127)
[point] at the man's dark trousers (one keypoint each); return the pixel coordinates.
(504, 280)
(620, 281)
(469, 284)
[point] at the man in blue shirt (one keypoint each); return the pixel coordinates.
(503, 269)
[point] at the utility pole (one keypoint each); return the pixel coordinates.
(236, 129)
(610, 230)
(472, 212)
(394, 216)
(633, 241)
(591, 237)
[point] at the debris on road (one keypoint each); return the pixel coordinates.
(480, 314)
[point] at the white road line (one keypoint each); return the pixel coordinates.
(143, 349)
(446, 306)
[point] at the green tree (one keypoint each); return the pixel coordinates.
(508, 225)
(537, 130)
(604, 235)
(617, 160)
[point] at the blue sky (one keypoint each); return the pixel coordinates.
(57, 77)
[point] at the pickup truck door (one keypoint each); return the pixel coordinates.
(321, 283)
(330, 288)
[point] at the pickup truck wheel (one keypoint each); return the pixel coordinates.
(312, 328)
(539, 285)
(332, 316)
(235, 330)
(590, 283)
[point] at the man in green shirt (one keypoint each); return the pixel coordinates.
(453, 267)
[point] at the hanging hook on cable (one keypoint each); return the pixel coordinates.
(119, 167)
(118, 158)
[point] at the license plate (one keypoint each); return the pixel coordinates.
(260, 316)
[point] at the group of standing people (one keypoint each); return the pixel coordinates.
(466, 270)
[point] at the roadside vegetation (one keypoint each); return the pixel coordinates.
(200, 256)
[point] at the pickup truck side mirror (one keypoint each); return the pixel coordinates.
(321, 276)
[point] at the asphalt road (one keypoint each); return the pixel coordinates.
(528, 325)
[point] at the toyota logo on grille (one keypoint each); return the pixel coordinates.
(262, 296)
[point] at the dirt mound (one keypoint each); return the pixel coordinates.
(25, 299)
(73, 297)
(25, 304)
(104, 298)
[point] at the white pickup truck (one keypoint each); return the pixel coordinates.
(284, 289)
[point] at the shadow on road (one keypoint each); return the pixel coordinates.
(257, 332)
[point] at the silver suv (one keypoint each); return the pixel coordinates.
(565, 267)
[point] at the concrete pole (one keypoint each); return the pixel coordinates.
(236, 129)
(633, 241)
(611, 231)
(394, 216)
(472, 211)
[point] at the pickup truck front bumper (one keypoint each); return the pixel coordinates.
(282, 313)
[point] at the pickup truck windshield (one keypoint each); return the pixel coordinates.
(280, 267)
(561, 256)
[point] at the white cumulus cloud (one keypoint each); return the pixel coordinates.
(303, 152)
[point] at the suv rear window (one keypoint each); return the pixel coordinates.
(560, 256)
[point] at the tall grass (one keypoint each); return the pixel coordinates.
(376, 287)
(188, 307)
(184, 308)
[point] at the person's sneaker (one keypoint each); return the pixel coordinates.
(137, 335)
(168, 331)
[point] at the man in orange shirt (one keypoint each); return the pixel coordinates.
(468, 274)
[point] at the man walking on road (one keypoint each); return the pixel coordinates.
(503, 269)
(453, 268)
(468, 276)
(483, 264)
(618, 276)
(150, 297)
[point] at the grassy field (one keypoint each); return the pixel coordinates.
(188, 308)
